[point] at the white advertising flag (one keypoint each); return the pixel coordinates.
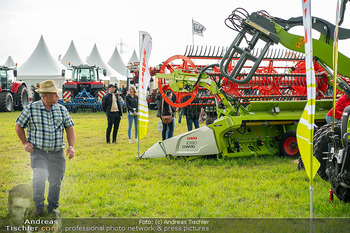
(144, 79)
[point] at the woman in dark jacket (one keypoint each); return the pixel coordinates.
(131, 102)
(165, 109)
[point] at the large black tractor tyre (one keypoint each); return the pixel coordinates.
(6, 102)
(321, 147)
(21, 98)
(288, 145)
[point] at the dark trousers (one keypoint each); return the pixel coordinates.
(113, 120)
(190, 121)
(168, 130)
(47, 166)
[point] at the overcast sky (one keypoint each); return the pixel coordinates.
(107, 22)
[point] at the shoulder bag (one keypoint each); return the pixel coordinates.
(167, 119)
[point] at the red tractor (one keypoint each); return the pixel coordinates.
(84, 90)
(13, 95)
(84, 77)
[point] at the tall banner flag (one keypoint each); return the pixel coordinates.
(305, 129)
(144, 79)
(335, 57)
(197, 28)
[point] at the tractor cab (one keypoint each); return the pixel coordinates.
(7, 78)
(13, 94)
(84, 78)
(84, 74)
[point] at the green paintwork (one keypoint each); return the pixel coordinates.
(321, 50)
(233, 137)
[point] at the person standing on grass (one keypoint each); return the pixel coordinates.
(111, 106)
(192, 113)
(132, 102)
(45, 121)
(165, 109)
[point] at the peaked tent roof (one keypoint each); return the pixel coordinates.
(72, 56)
(41, 66)
(133, 58)
(41, 63)
(117, 63)
(96, 59)
(9, 62)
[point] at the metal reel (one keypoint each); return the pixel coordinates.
(186, 65)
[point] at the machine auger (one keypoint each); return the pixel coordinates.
(246, 127)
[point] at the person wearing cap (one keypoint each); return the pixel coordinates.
(46, 121)
(111, 106)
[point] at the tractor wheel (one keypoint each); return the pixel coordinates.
(288, 145)
(321, 147)
(6, 102)
(21, 97)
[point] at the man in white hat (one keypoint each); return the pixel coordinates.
(46, 121)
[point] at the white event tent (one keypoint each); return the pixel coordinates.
(72, 56)
(116, 62)
(41, 66)
(133, 58)
(96, 59)
(9, 62)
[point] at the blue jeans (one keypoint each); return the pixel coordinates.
(47, 166)
(180, 115)
(190, 122)
(329, 119)
(168, 130)
(132, 118)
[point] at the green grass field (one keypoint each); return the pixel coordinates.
(108, 181)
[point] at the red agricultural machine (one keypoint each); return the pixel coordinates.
(84, 90)
(134, 69)
(13, 94)
(280, 76)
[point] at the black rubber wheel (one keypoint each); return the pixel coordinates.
(6, 102)
(321, 147)
(21, 98)
(288, 145)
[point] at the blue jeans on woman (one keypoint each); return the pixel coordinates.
(132, 118)
(168, 130)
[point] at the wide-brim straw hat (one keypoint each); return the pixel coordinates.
(48, 86)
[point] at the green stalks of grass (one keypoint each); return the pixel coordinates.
(108, 181)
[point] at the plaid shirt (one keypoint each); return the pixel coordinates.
(45, 128)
